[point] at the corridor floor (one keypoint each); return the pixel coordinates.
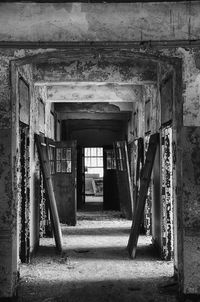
(95, 266)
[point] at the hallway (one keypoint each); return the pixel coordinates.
(95, 265)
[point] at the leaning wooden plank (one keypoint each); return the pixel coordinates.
(144, 184)
(42, 151)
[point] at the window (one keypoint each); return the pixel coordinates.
(63, 160)
(110, 160)
(51, 151)
(94, 160)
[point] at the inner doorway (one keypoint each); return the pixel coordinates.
(94, 173)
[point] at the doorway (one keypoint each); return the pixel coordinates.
(94, 173)
(109, 229)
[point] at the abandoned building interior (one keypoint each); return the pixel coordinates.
(100, 102)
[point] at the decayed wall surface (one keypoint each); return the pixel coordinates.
(7, 209)
(99, 22)
(187, 101)
(90, 66)
(190, 169)
(26, 72)
(8, 181)
(191, 203)
(102, 22)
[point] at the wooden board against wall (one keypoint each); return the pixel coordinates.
(45, 167)
(144, 185)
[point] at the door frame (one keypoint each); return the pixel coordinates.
(125, 50)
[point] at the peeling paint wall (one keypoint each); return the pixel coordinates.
(167, 200)
(26, 72)
(109, 66)
(191, 92)
(191, 208)
(7, 208)
(9, 243)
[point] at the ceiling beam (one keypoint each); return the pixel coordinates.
(108, 92)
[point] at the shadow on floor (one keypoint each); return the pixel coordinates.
(144, 253)
(101, 231)
(92, 206)
(122, 290)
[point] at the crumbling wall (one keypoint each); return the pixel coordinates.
(191, 208)
(8, 210)
(190, 149)
(9, 179)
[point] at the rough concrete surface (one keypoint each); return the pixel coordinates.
(95, 266)
(99, 21)
(191, 208)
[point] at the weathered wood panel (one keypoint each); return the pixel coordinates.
(64, 181)
(24, 102)
(124, 179)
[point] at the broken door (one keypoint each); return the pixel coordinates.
(110, 188)
(123, 179)
(64, 180)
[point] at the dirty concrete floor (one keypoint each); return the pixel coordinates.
(95, 266)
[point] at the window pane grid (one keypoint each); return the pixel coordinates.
(94, 157)
(51, 154)
(63, 160)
